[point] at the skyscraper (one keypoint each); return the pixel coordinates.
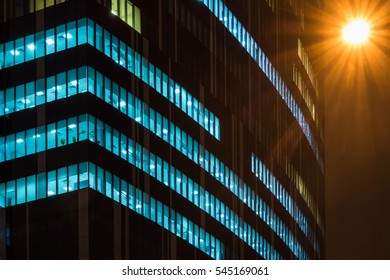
(160, 129)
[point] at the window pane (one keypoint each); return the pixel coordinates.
(61, 38)
(41, 190)
(31, 189)
(72, 130)
(2, 56)
(99, 37)
(61, 85)
(70, 36)
(19, 51)
(83, 175)
(10, 193)
(61, 133)
(9, 54)
(82, 31)
(91, 33)
(2, 195)
(21, 190)
(20, 144)
(51, 183)
(40, 44)
(9, 100)
(50, 41)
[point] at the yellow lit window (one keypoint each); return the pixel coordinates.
(49, 3)
(127, 12)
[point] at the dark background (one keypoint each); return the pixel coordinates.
(357, 108)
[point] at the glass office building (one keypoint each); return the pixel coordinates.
(160, 129)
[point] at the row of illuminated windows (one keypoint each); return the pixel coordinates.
(86, 31)
(86, 127)
(43, 43)
(88, 175)
(127, 12)
(308, 67)
(42, 91)
(301, 85)
(85, 78)
(39, 139)
(300, 185)
(219, 9)
(17, 8)
(271, 182)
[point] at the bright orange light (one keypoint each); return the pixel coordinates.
(356, 32)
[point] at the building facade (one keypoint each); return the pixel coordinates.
(160, 129)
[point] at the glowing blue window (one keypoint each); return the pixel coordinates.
(108, 184)
(99, 37)
(2, 102)
(10, 147)
(145, 71)
(158, 80)
(114, 49)
(9, 101)
(70, 35)
(172, 135)
(19, 51)
(9, 54)
(2, 55)
(122, 54)
(124, 192)
(234, 27)
(61, 133)
(2, 149)
(115, 95)
(91, 33)
(10, 193)
(41, 186)
(145, 115)
(130, 59)
(51, 136)
(107, 90)
(81, 31)
(172, 91)
(230, 21)
(152, 122)
(165, 85)
(165, 129)
(99, 85)
(72, 82)
(100, 180)
(20, 100)
(72, 130)
(137, 62)
(123, 147)
(50, 41)
(20, 148)
(2, 195)
(40, 44)
(83, 128)
(51, 89)
(123, 100)
(61, 85)
(52, 183)
(61, 38)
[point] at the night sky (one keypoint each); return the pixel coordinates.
(357, 100)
